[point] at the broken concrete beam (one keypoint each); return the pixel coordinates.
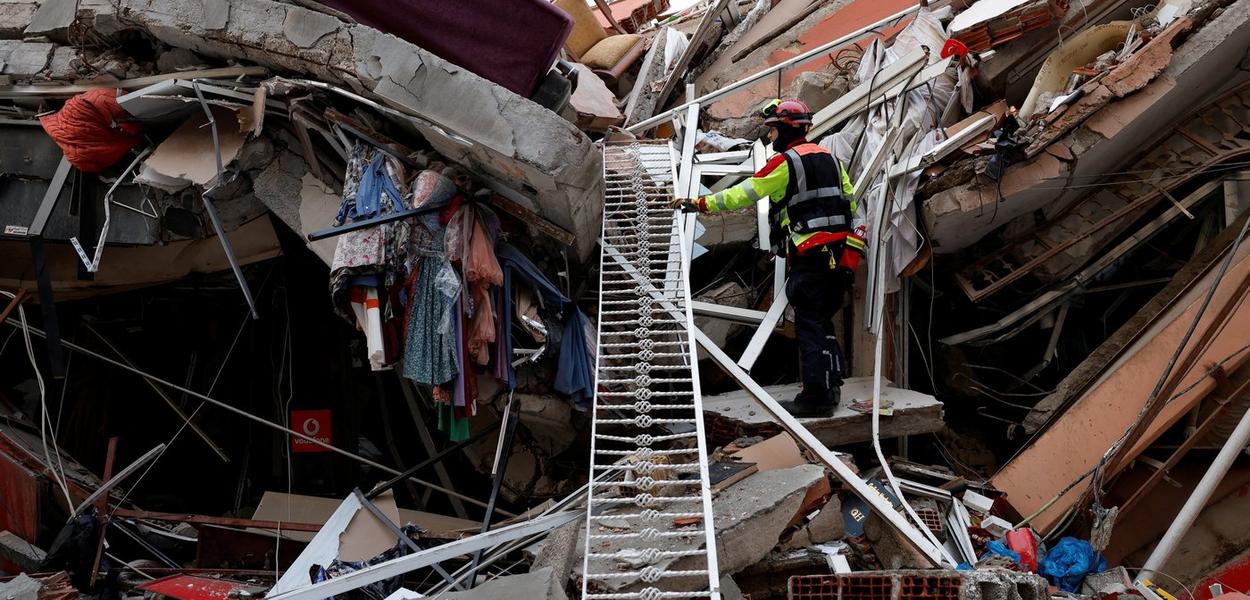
(1099, 135)
(24, 59)
(20, 552)
(559, 551)
(730, 293)
(540, 584)
(749, 518)
(525, 151)
(15, 16)
(736, 414)
(729, 589)
(826, 526)
(592, 105)
(53, 19)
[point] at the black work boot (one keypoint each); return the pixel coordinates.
(810, 404)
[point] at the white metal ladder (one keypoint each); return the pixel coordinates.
(648, 416)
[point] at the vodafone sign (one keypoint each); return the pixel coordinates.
(314, 424)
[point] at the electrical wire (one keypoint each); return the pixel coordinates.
(1177, 581)
(1176, 356)
(1217, 168)
(45, 423)
(288, 361)
(1114, 449)
(5, 345)
(187, 422)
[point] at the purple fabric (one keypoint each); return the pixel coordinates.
(510, 42)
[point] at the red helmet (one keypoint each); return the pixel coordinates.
(790, 112)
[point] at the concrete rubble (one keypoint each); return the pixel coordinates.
(1046, 380)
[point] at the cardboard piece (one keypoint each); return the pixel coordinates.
(188, 155)
(593, 103)
(777, 452)
(277, 506)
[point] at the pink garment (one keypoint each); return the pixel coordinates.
(482, 270)
(360, 248)
(482, 266)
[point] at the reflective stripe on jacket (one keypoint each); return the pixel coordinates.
(816, 181)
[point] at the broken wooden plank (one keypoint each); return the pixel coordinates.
(697, 40)
(210, 520)
(532, 218)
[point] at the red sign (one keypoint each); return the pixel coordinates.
(314, 424)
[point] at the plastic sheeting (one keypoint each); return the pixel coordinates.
(919, 130)
(1067, 564)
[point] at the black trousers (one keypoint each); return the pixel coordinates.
(816, 292)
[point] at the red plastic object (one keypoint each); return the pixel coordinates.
(93, 130)
(191, 587)
(954, 47)
(1022, 542)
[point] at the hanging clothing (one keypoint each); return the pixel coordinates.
(483, 272)
(430, 353)
(368, 313)
(575, 375)
(377, 193)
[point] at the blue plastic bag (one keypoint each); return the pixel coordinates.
(1067, 564)
(1001, 549)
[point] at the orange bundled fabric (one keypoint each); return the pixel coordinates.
(93, 130)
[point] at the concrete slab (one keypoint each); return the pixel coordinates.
(737, 414)
(521, 149)
(15, 16)
(53, 19)
(20, 552)
(541, 584)
(23, 58)
(1122, 128)
(749, 517)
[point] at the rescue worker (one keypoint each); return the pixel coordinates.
(813, 224)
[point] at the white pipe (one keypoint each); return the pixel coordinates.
(1198, 499)
(781, 66)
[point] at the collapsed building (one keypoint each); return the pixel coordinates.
(532, 378)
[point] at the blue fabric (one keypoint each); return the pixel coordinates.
(998, 548)
(1067, 564)
(575, 375)
(366, 281)
(430, 355)
(374, 182)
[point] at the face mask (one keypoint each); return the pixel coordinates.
(762, 134)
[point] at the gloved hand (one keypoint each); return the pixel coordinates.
(684, 205)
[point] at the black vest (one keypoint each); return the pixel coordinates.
(814, 201)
